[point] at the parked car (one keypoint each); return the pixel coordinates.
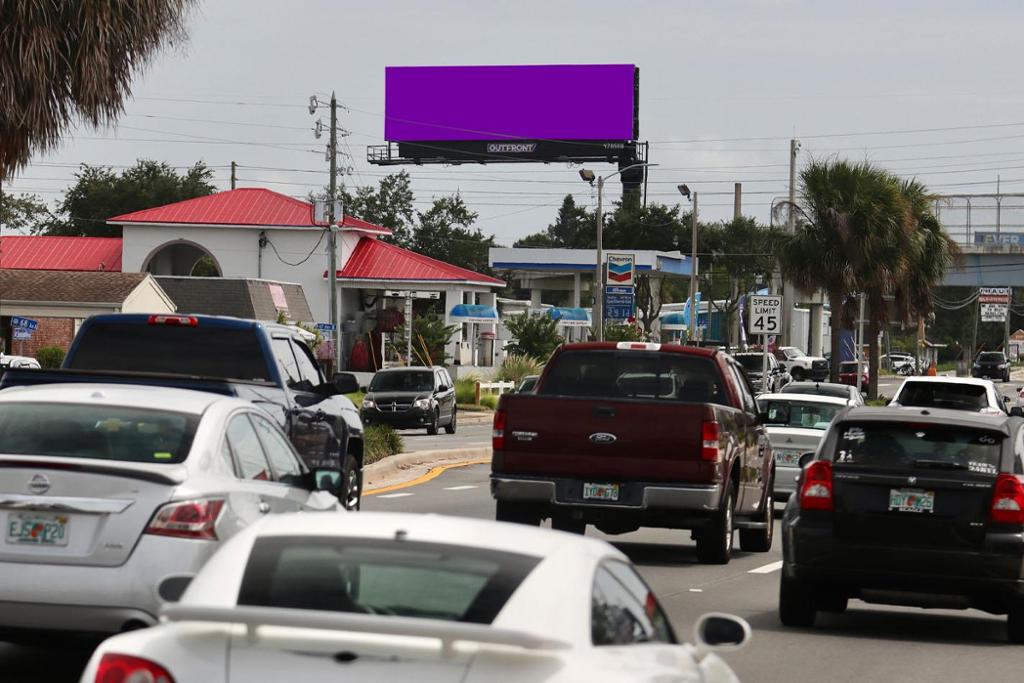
(848, 374)
(111, 495)
(993, 364)
(801, 366)
(411, 397)
(14, 362)
(528, 384)
(899, 362)
(795, 425)
(953, 393)
(852, 395)
(919, 507)
(393, 597)
(631, 434)
(267, 364)
(753, 365)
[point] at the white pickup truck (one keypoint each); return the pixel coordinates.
(800, 365)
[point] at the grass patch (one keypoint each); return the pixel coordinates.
(380, 441)
(357, 398)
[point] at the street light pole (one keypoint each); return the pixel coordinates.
(695, 270)
(599, 264)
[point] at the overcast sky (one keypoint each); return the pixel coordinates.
(712, 76)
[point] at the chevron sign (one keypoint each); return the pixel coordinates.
(621, 269)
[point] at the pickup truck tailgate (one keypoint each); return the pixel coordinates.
(605, 439)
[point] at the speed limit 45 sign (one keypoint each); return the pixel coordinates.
(765, 315)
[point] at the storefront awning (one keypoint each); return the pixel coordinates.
(674, 321)
(570, 317)
(473, 313)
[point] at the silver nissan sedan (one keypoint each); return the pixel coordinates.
(113, 496)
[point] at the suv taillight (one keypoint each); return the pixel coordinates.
(709, 441)
(183, 320)
(116, 668)
(816, 487)
(498, 435)
(188, 519)
(1007, 501)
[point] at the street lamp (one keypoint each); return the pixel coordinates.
(589, 176)
(685, 191)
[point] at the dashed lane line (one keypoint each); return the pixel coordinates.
(464, 487)
(396, 495)
(767, 569)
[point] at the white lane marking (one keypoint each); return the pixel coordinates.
(696, 590)
(396, 495)
(461, 488)
(767, 569)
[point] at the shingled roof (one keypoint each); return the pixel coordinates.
(238, 297)
(67, 286)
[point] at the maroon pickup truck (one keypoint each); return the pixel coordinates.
(628, 435)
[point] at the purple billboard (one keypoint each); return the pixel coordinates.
(596, 102)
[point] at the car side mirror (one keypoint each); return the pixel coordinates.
(720, 632)
(364, 389)
(345, 383)
(1017, 411)
(762, 417)
(442, 388)
(806, 458)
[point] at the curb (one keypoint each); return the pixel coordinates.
(471, 418)
(405, 469)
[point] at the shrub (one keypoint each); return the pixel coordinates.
(429, 333)
(380, 441)
(536, 335)
(489, 401)
(617, 332)
(50, 356)
(515, 367)
(465, 389)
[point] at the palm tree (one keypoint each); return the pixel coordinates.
(72, 60)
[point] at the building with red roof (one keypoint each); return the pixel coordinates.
(41, 252)
(255, 232)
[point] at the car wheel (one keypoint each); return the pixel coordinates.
(833, 602)
(432, 427)
(798, 374)
(760, 540)
(1015, 624)
(796, 603)
(451, 426)
(714, 541)
(351, 484)
(516, 513)
(567, 523)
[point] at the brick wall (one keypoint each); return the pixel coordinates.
(51, 332)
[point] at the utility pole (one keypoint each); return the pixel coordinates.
(696, 270)
(788, 292)
(234, 167)
(599, 266)
(737, 201)
(332, 273)
(860, 343)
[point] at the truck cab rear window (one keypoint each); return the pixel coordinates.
(891, 445)
(632, 374)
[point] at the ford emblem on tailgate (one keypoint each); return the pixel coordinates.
(603, 437)
(38, 484)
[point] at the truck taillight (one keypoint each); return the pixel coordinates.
(709, 441)
(1007, 501)
(188, 519)
(180, 320)
(816, 487)
(498, 434)
(117, 668)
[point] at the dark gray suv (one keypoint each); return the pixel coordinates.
(407, 398)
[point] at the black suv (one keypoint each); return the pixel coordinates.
(406, 398)
(908, 506)
(991, 364)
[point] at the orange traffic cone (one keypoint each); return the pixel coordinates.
(932, 371)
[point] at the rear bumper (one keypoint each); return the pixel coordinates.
(785, 481)
(649, 503)
(97, 600)
(989, 373)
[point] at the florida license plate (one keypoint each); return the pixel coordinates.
(911, 500)
(785, 456)
(37, 529)
(600, 491)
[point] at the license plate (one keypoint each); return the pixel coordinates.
(37, 529)
(787, 457)
(911, 500)
(600, 491)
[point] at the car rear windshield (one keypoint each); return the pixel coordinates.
(799, 414)
(817, 390)
(96, 431)
(899, 445)
(634, 374)
(206, 351)
(851, 366)
(991, 357)
(403, 380)
(384, 577)
(952, 395)
(751, 362)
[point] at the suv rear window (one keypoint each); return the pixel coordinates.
(634, 374)
(205, 351)
(952, 395)
(384, 577)
(96, 431)
(893, 445)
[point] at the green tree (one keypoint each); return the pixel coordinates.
(100, 193)
(429, 335)
(389, 204)
(574, 228)
(24, 213)
(70, 61)
(535, 335)
(446, 233)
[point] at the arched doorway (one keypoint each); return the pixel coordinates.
(182, 258)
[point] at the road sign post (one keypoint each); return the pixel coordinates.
(765, 320)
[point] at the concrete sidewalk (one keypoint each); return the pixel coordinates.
(403, 468)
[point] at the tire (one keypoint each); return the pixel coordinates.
(351, 484)
(833, 602)
(516, 513)
(760, 540)
(714, 542)
(451, 426)
(568, 524)
(796, 603)
(798, 374)
(1015, 624)
(432, 427)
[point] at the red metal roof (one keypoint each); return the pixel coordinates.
(253, 206)
(36, 252)
(373, 259)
